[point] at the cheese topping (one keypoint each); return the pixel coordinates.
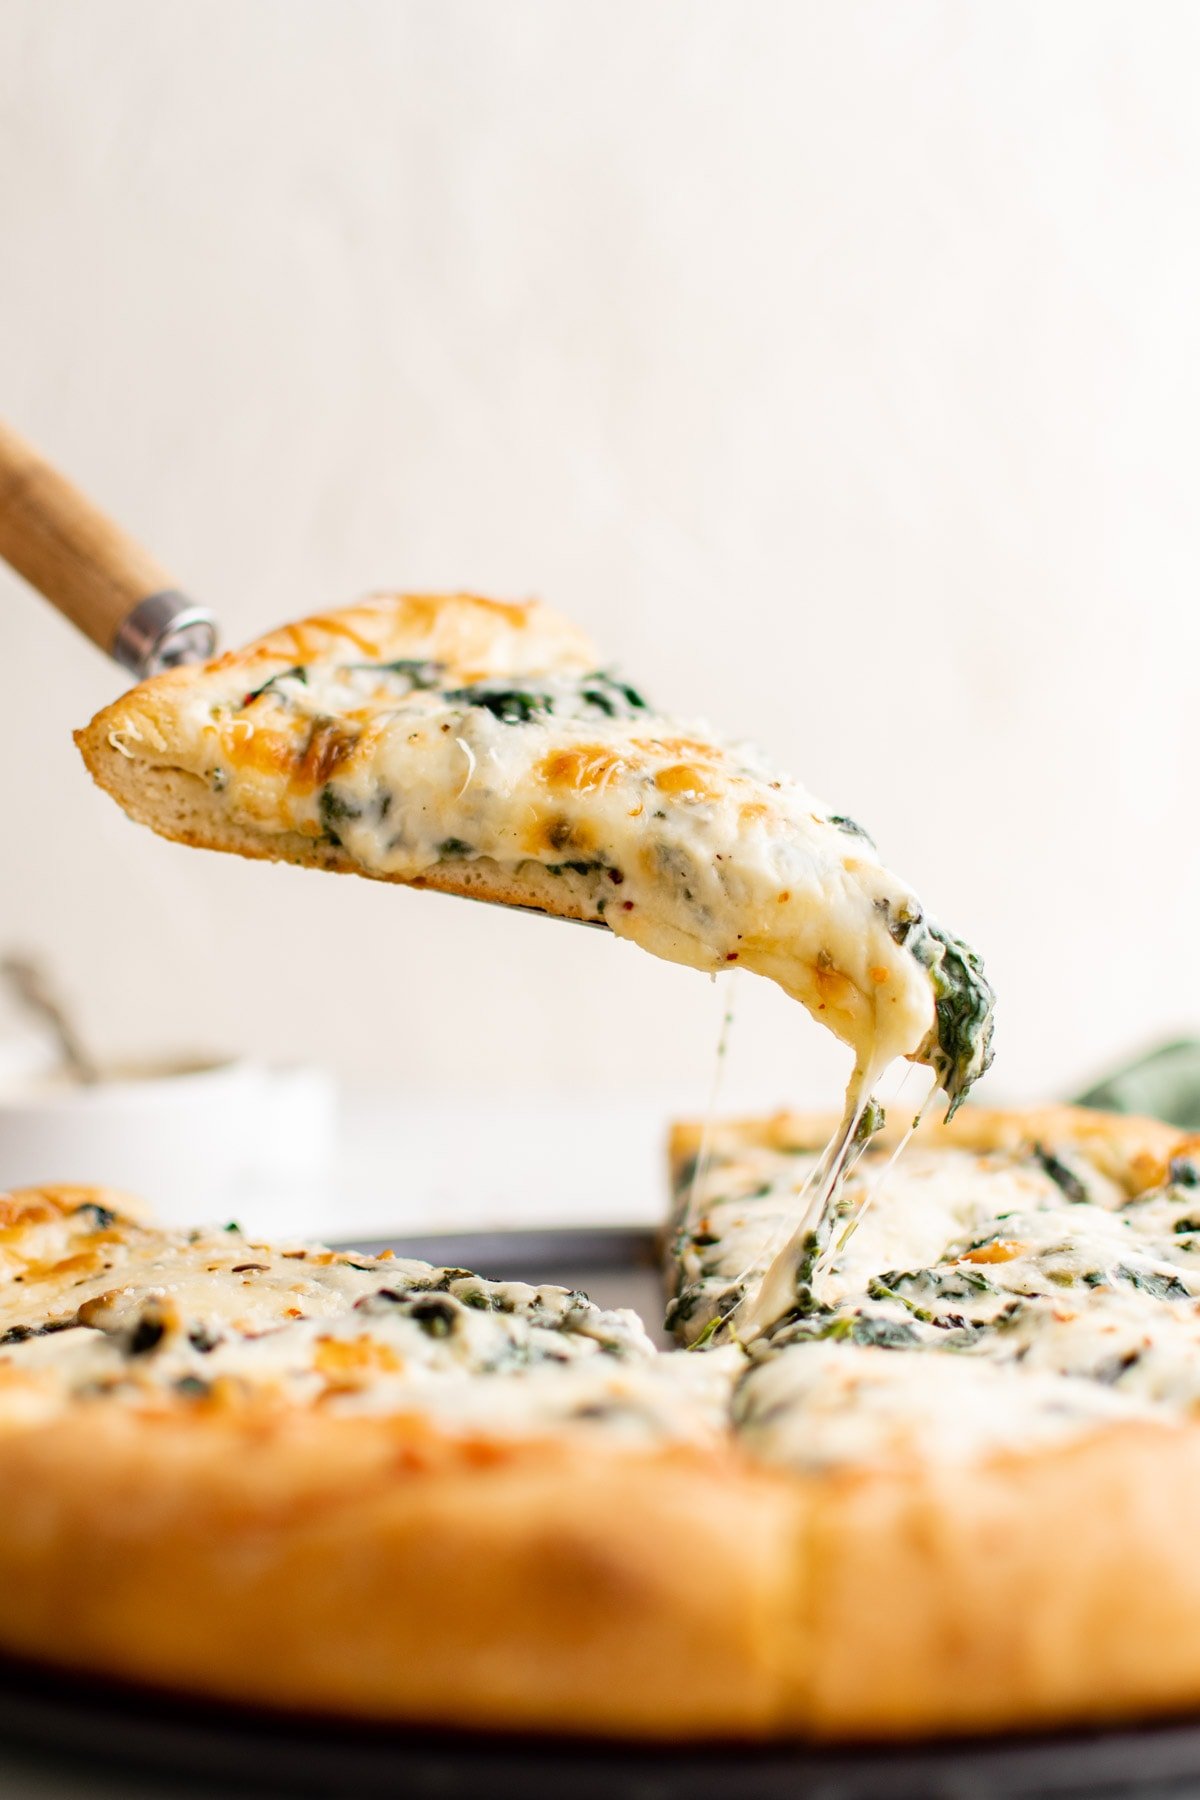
(990, 1302)
(93, 1307)
(987, 1301)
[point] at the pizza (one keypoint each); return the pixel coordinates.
(285, 1476)
(479, 748)
(950, 1491)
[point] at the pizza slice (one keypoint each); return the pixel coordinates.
(95, 1302)
(482, 749)
(289, 1476)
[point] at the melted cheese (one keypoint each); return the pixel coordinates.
(95, 1308)
(821, 1408)
(987, 1301)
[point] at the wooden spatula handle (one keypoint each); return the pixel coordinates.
(92, 571)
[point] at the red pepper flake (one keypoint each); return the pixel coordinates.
(627, 905)
(732, 956)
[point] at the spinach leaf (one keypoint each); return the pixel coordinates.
(102, 1217)
(709, 1333)
(885, 1334)
(851, 827)
(964, 1002)
(333, 807)
(420, 674)
(615, 699)
(1061, 1176)
(512, 706)
(1153, 1281)
(598, 695)
(299, 673)
(851, 1328)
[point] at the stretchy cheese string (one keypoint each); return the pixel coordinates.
(824, 1264)
(755, 1312)
(704, 1151)
(776, 1294)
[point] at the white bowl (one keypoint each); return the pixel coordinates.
(197, 1143)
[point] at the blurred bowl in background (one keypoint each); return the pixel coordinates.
(199, 1140)
(25, 1057)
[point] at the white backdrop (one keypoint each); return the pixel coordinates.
(836, 363)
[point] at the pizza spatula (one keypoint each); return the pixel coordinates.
(86, 566)
(97, 576)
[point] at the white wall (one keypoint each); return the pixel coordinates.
(836, 363)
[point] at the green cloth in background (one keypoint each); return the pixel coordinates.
(1165, 1083)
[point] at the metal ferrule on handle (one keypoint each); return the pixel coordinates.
(163, 631)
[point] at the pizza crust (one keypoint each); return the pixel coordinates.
(366, 1568)
(1022, 1594)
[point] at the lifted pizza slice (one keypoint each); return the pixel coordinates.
(482, 749)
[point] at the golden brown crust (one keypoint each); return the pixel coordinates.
(380, 1567)
(472, 636)
(21, 1207)
(349, 1566)
(1013, 1594)
(365, 1567)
